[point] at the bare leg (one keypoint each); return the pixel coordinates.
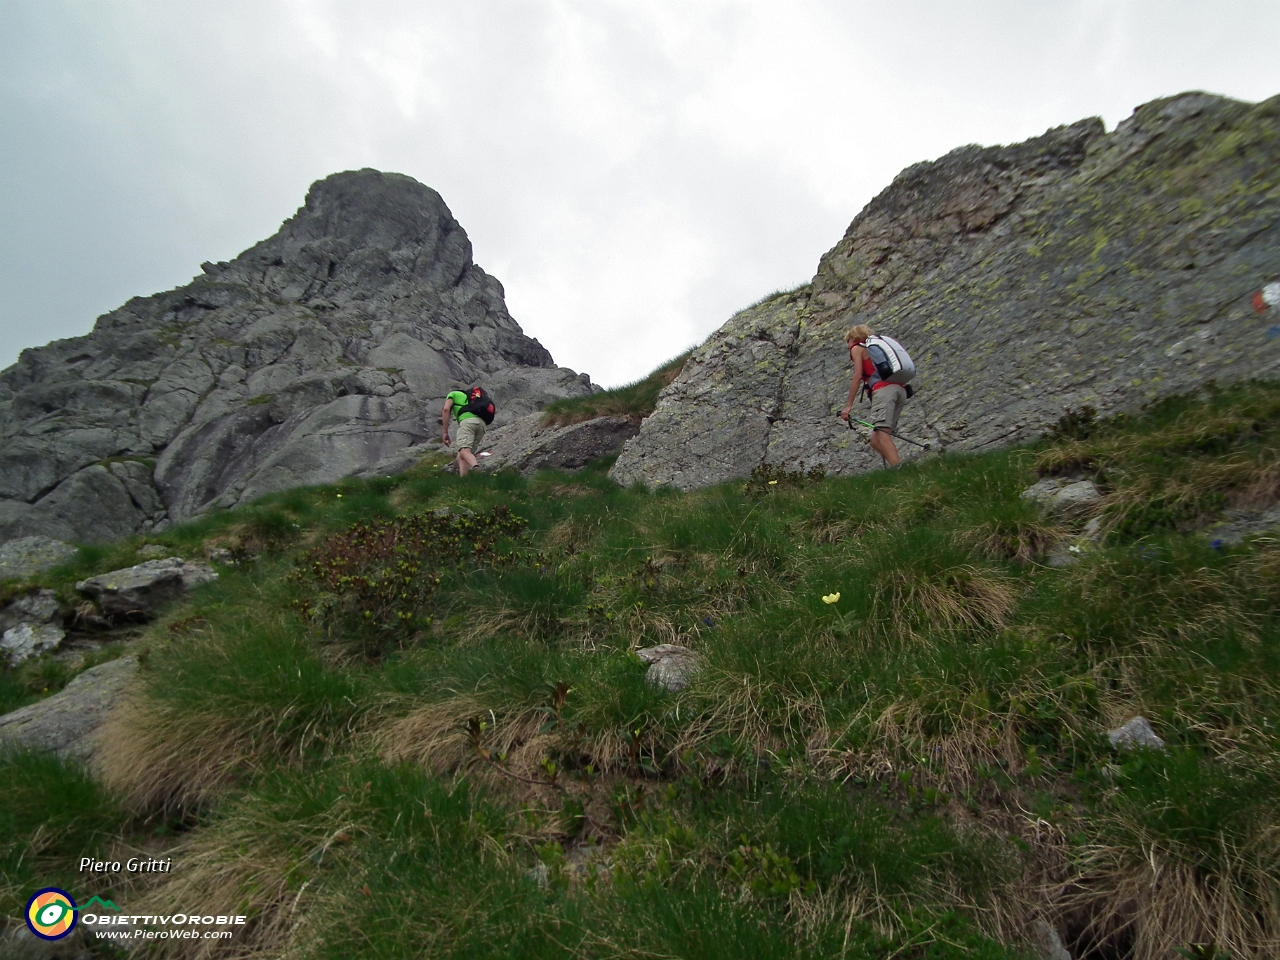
(882, 443)
(465, 460)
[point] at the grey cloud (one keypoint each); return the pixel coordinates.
(632, 173)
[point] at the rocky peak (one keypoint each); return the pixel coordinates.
(315, 354)
(1079, 268)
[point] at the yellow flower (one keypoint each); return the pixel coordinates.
(773, 483)
(832, 597)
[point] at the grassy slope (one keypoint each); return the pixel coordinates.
(474, 766)
(635, 400)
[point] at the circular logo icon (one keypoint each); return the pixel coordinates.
(51, 913)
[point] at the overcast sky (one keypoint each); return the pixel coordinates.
(633, 172)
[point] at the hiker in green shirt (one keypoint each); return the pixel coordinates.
(473, 411)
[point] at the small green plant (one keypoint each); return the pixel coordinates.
(1075, 424)
(1203, 951)
(376, 580)
(764, 871)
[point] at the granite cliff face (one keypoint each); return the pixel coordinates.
(322, 352)
(1078, 268)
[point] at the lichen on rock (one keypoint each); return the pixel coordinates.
(1079, 268)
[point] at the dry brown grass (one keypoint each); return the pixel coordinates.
(247, 864)
(162, 759)
(434, 735)
(903, 734)
(1245, 479)
(823, 528)
(912, 603)
(440, 737)
(1196, 430)
(752, 712)
(1148, 901)
(165, 758)
(1019, 540)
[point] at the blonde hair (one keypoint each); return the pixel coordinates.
(860, 332)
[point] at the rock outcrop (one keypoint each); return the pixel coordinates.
(1076, 269)
(19, 644)
(29, 626)
(1063, 496)
(1137, 732)
(528, 446)
(26, 556)
(141, 591)
(671, 667)
(314, 355)
(68, 721)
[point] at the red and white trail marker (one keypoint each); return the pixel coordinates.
(1267, 297)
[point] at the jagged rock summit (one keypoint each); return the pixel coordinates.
(1079, 268)
(314, 355)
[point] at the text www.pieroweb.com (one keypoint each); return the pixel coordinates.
(177, 927)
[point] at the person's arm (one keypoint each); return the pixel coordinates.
(857, 354)
(444, 420)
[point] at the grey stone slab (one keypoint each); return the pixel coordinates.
(24, 557)
(67, 721)
(141, 591)
(19, 644)
(1136, 732)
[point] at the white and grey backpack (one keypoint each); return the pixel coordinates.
(892, 362)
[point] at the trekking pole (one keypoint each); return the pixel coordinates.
(873, 427)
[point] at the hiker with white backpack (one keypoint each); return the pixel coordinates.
(883, 368)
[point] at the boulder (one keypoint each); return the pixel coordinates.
(528, 446)
(670, 666)
(1242, 522)
(319, 353)
(1135, 733)
(1063, 555)
(140, 591)
(1064, 497)
(1079, 268)
(19, 644)
(67, 721)
(24, 557)
(39, 607)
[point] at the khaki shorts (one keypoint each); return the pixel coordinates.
(469, 434)
(886, 406)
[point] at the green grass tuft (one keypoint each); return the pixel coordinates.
(632, 400)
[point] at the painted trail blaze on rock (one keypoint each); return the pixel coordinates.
(1065, 271)
(1266, 298)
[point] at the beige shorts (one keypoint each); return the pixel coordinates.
(469, 434)
(886, 406)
